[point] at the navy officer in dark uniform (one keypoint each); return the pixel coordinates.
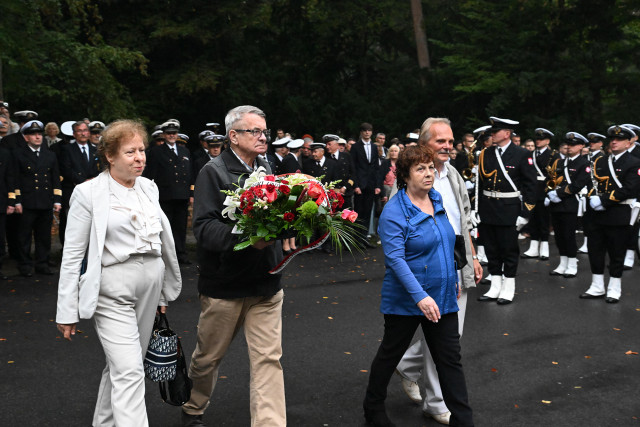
(345, 167)
(632, 243)
(7, 198)
(618, 185)
(571, 175)
(291, 162)
(169, 166)
(213, 144)
(318, 165)
(507, 197)
(539, 224)
(38, 194)
(280, 150)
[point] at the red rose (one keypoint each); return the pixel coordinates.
(284, 181)
(271, 188)
(270, 178)
(285, 190)
(288, 216)
(314, 190)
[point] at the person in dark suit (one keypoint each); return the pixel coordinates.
(7, 199)
(321, 166)
(17, 140)
(169, 165)
(345, 168)
(538, 227)
(571, 176)
(291, 162)
(506, 174)
(38, 194)
(618, 184)
(368, 181)
(78, 163)
(280, 152)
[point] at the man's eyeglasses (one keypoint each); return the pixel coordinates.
(256, 132)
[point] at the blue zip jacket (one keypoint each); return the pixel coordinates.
(418, 251)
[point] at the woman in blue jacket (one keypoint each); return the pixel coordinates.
(420, 288)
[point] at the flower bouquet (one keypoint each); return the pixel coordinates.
(273, 207)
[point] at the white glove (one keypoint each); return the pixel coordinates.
(474, 170)
(547, 202)
(596, 203)
(521, 222)
(474, 233)
(475, 219)
(553, 196)
(470, 185)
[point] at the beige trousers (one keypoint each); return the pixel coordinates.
(129, 295)
(220, 320)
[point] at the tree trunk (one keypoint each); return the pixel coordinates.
(420, 34)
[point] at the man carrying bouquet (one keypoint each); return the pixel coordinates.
(236, 289)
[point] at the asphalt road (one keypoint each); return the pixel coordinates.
(548, 359)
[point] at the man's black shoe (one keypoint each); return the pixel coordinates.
(191, 420)
(44, 270)
(485, 298)
(26, 272)
(589, 296)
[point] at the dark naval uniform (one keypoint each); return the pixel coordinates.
(37, 189)
(572, 175)
(345, 172)
(173, 175)
(328, 170)
(289, 164)
(587, 224)
(540, 218)
(7, 197)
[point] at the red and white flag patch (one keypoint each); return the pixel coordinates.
(588, 169)
(530, 161)
(638, 171)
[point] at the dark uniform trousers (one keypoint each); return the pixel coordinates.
(564, 215)
(501, 248)
(177, 211)
(443, 341)
(611, 228)
(538, 226)
(38, 222)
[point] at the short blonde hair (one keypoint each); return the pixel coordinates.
(115, 134)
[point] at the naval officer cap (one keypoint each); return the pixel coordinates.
(32, 126)
(634, 128)
(412, 137)
(542, 133)
(214, 140)
(25, 115)
(595, 137)
(574, 138)
(482, 133)
(296, 143)
(282, 142)
(498, 124)
(157, 134)
(342, 141)
(317, 145)
(96, 126)
(620, 132)
(330, 137)
(183, 137)
(170, 127)
(204, 133)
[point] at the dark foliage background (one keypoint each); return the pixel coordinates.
(318, 66)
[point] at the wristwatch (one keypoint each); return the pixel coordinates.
(475, 257)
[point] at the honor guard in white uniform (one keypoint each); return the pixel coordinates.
(616, 183)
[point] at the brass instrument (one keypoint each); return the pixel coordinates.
(467, 173)
(554, 180)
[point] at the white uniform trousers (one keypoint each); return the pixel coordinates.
(417, 361)
(128, 299)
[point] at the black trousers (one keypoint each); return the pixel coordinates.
(501, 247)
(565, 225)
(539, 223)
(177, 211)
(12, 230)
(3, 248)
(632, 242)
(35, 223)
(362, 205)
(612, 240)
(443, 341)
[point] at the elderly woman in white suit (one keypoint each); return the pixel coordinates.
(116, 223)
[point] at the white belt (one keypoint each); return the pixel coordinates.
(501, 194)
(541, 178)
(628, 202)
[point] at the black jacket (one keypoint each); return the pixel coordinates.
(329, 170)
(366, 176)
(74, 166)
(37, 178)
(172, 174)
(544, 160)
(289, 165)
(7, 185)
(578, 172)
(225, 273)
(519, 166)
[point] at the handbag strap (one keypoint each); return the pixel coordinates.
(161, 319)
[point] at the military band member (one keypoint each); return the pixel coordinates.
(345, 167)
(595, 142)
(169, 165)
(506, 175)
(617, 184)
(38, 193)
(632, 243)
(569, 177)
(483, 136)
(539, 225)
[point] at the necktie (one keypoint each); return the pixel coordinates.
(84, 153)
(500, 151)
(367, 149)
(334, 156)
(37, 153)
(318, 162)
(537, 153)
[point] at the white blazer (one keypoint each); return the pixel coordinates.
(87, 228)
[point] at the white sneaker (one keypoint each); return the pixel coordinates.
(411, 388)
(439, 418)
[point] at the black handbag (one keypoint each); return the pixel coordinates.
(162, 352)
(460, 252)
(177, 391)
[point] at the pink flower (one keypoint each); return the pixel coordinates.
(314, 190)
(270, 178)
(353, 216)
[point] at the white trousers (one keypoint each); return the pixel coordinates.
(128, 299)
(417, 361)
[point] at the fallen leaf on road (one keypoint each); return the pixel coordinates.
(631, 352)
(616, 329)
(494, 370)
(516, 406)
(505, 334)
(347, 352)
(10, 361)
(555, 363)
(577, 386)
(330, 318)
(363, 370)
(587, 357)
(3, 339)
(546, 401)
